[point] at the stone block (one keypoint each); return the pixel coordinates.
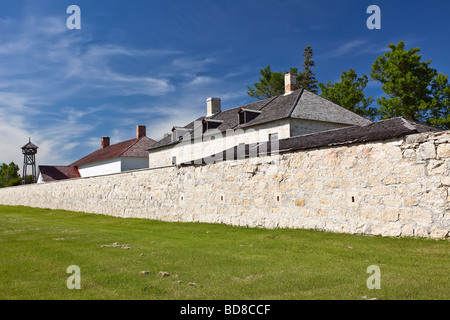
(443, 150)
(421, 215)
(407, 179)
(436, 167)
(321, 213)
(390, 215)
(407, 231)
(445, 180)
(381, 191)
(421, 232)
(389, 180)
(367, 214)
(426, 151)
(438, 233)
(409, 154)
(410, 201)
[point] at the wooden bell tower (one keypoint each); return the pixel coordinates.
(29, 159)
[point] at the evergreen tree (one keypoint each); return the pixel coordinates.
(306, 79)
(413, 89)
(270, 84)
(349, 93)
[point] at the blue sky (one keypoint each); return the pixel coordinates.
(156, 62)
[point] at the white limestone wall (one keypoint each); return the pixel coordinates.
(398, 187)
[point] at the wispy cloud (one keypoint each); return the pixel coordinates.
(43, 66)
(60, 88)
(353, 48)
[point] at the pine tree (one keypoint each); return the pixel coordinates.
(306, 79)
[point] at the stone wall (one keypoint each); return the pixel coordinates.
(397, 187)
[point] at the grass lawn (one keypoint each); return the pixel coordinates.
(206, 261)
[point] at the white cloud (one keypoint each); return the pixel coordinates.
(353, 48)
(47, 68)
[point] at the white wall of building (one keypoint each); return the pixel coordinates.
(216, 141)
(40, 179)
(101, 168)
(134, 163)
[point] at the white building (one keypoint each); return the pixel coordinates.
(110, 158)
(295, 113)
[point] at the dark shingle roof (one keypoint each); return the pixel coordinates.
(53, 173)
(300, 104)
(129, 148)
(30, 145)
(313, 107)
(375, 131)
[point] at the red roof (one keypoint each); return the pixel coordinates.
(129, 148)
(52, 173)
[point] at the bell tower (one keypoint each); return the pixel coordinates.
(29, 159)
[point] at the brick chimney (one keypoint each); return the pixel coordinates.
(140, 131)
(290, 83)
(105, 142)
(212, 106)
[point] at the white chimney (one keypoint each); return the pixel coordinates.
(290, 83)
(212, 106)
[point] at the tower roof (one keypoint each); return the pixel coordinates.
(30, 145)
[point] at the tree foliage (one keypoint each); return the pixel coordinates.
(349, 93)
(271, 83)
(307, 79)
(413, 89)
(8, 173)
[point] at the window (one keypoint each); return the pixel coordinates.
(174, 160)
(241, 117)
(209, 124)
(273, 136)
(247, 115)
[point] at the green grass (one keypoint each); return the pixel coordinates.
(37, 246)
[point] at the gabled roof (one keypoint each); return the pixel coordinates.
(300, 104)
(375, 131)
(53, 173)
(129, 148)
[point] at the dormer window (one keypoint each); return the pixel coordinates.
(178, 133)
(209, 124)
(247, 115)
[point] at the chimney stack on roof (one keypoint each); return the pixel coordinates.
(105, 142)
(212, 106)
(140, 131)
(290, 83)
